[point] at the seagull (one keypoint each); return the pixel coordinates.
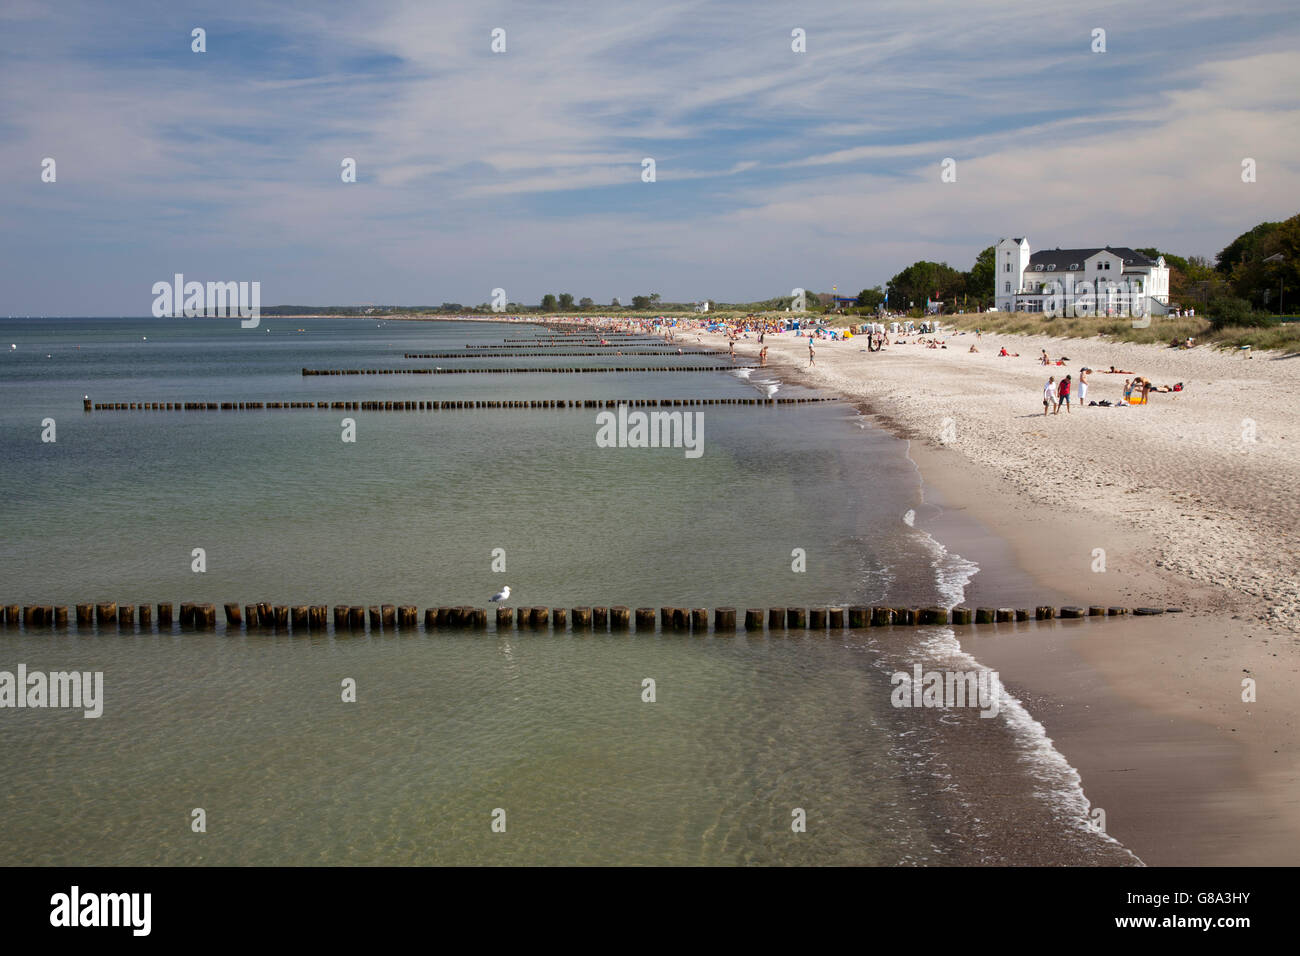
(502, 594)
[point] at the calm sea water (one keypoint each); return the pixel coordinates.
(447, 729)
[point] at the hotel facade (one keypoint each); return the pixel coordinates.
(1111, 280)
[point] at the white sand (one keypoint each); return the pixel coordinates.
(1180, 473)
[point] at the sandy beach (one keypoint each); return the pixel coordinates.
(1192, 499)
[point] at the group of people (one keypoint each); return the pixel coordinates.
(1056, 394)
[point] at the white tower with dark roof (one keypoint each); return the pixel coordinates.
(1009, 272)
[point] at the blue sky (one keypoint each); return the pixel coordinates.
(522, 170)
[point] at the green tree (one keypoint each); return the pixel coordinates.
(585, 302)
(870, 298)
(925, 280)
(566, 302)
(548, 303)
(1244, 248)
(641, 303)
(614, 303)
(982, 276)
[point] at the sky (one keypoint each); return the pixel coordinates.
(523, 169)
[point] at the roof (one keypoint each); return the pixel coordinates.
(1062, 259)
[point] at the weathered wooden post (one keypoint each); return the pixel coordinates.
(680, 618)
(1115, 611)
(85, 615)
(932, 615)
(356, 617)
(775, 618)
(857, 616)
(541, 617)
(505, 618)
(600, 618)
(817, 618)
(1005, 615)
(431, 618)
(581, 618)
(187, 614)
(126, 617)
(754, 619)
(1044, 612)
(233, 619)
(1022, 614)
(106, 613)
(961, 615)
(1096, 610)
(374, 618)
(164, 615)
(796, 618)
(985, 615)
(645, 619)
(61, 615)
(388, 616)
(699, 620)
(724, 619)
(299, 616)
(560, 618)
(620, 618)
(407, 616)
(205, 617)
(881, 616)
(1071, 612)
(837, 618)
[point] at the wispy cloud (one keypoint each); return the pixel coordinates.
(522, 169)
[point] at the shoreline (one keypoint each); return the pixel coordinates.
(1147, 710)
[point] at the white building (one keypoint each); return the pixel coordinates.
(1117, 280)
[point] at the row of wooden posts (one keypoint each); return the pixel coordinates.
(387, 617)
(444, 405)
(568, 370)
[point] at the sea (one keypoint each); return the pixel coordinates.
(554, 747)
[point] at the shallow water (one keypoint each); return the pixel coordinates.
(550, 728)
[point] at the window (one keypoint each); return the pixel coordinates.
(1051, 267)
(1038, 268)
(1007, 267)
(1008, 286)
(1074, 266)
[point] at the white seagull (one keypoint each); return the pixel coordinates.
(502, 594)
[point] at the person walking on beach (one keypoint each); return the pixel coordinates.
(811, 363)
(762, 356)
(1063, 396)
(1049, 394)
(1083, 386)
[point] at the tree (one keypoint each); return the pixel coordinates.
(870, 298)
(548, 303)
(982, 277)
(566, 302)
(585, 302)
(1244, 248)
(926, 280)
(614, 304)
(641, 303)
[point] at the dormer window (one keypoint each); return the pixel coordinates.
(1074, 266)
(1038, 268)
(1051, 267)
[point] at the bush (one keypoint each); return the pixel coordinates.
(1229, 311)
